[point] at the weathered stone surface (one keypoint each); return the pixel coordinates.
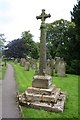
(48, 70)
(41, 91)
(34, 66)
(60, 67)
(56, 94)
(33, 97)
(42, 65)
(41, 97)
(50, 67)
(53, 97)
(41, 81)
(33, 63)
(27, 66)
(22, 61)
(47, 102)
(15, 61)
(52, 107)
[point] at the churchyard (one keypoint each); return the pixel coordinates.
(68, 84)
(44, 87)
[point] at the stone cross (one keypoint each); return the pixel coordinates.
(43, 16)
(42, 64)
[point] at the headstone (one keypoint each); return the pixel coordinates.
(48, 68)
(57, 59)
(52, 66)
(61, 68)
(15, 61)
(27, 66)
(33, 63)
(37, 69)
(22, 62)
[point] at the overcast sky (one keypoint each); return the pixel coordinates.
(17, 16)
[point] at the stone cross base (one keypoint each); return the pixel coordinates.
(42, 81)
(51, 99)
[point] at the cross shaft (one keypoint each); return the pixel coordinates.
(42, 62)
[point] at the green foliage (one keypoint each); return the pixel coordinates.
(28, 42)
(68, 84)
(31, 48)
(2, 41)
(15, 49)
(75, 15)
(74, 67)
(20, 47)
(62, 42)
(25, 46)
(35, 51)
(58, 38)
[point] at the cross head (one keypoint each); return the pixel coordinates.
(43, 16)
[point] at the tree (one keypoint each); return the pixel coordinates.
(2, 41)
(22, 47)
(35, 51)
(27, 38)
(63, 40)
(59, 36)
(15, 49)
(75, 16)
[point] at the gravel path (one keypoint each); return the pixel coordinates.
(9, 106)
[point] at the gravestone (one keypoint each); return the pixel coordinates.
(15, 61)
(43, 94)
(57, 59)
(52, 66)
(36, 69)
(27, 66)
(22, 62)
(33, 64)
(61, 68)
(48, 68)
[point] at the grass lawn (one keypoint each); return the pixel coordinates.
(68, 84)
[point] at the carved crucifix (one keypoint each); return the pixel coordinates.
(42, 64)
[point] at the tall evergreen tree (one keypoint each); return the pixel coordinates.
(75, 16)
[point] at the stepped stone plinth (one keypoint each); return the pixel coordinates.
(52, 99)
(41, 90)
